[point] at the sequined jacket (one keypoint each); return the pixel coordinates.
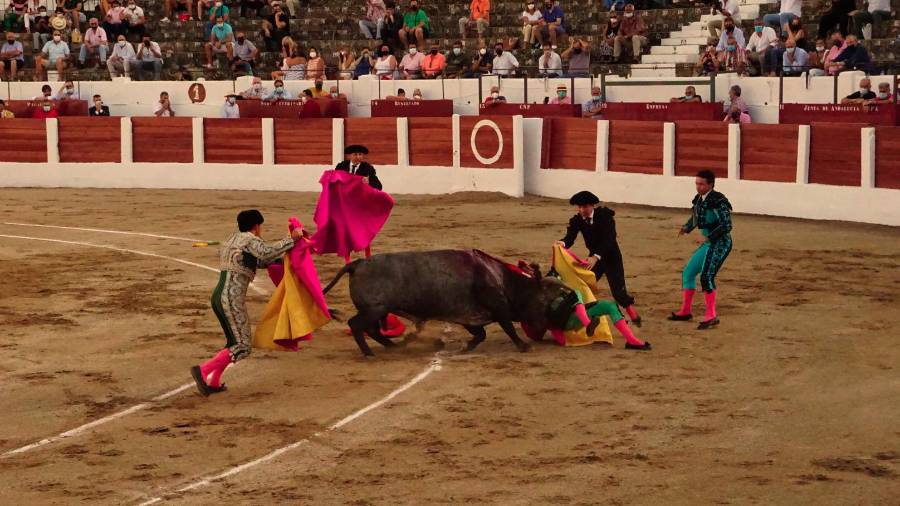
(243, 252)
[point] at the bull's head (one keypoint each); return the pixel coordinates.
(536, 299)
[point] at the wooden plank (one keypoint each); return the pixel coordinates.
(769, 152)
(430, 142)
(377, 134)
(312, 148)
(486, 141)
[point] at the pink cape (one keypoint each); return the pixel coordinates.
(349, 215)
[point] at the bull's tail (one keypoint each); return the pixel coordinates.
(344, 270)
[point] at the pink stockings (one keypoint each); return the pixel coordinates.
(625, 330)
(216, 366)
(710, 298)
(686, 302)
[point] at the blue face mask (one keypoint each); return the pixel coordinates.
(731, 47)
(758, 29)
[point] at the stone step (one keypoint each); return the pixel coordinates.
(682, 49)
(694, 41)
(670, 58)
(645, 70)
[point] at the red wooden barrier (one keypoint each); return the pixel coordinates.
(701, 145)
(887, 157)
(162, 140)
(236, 140)
(769, 152)
(23, 140)
(636, 146)
(431, 142)
(492, 139)
(377, 134)
(90, 140)
(306, 142)
(834, 153)
(569, 143)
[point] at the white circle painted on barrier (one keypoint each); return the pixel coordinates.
(496, 129)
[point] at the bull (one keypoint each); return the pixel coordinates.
(466, 287)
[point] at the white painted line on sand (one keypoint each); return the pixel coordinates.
(435, 365)
(103, 230)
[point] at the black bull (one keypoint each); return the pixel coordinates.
(466, 287)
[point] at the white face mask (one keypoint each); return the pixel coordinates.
(56, 38)
(232, 100)
(46, 108)
(279, 89)
(220, 25)
(495, 94)
(457, 50)
(417, 97)
(629, 14)
(820, 48)
(595, 98)
(482, 51)
(121, 43)
(313, 54)
(412, 50)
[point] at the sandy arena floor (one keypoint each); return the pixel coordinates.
(795, 399)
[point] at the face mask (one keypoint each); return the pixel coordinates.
(731, 47)
(279, 89)
(10, 40)
(865, 90)
(836, 43)
(495, 95)
(729, 28)
(417, 97)
(758, 29)
(629, 14)
(412, 50)
(220, 25)
(530, 6)
(688, 95)
(121, 43)
(70, 91)
(884, 95)
(613, 21)
(820, 48)
(218, 4)
(46, 108)
(790, 49)
(457, 50)
(318, 86)
(240, 40)
(334, 95)
(304, 98)
(131, 6)
(313, 54)
(577, 50)
(434, 52)
(482, 51)
(595, 98)
(561, 94)
(56, 38)
(499, 52)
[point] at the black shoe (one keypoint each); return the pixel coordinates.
(708, 324)
(202, 387)
(636, 322)
(592, 327)
(215, 390)
(646, 346)
(675, 317)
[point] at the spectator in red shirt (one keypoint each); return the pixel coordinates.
(631, 29)
(495, 97)
(46, 110)
(310, 107)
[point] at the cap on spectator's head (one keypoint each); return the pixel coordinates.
(561, 87)
(231, 95)
(356, 148)
(584, 198)
(249, 219)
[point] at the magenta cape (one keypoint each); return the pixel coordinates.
(349, 215)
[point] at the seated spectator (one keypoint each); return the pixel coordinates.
(795, 59)
(853, 57)
(310, 108)
(797, 33)
(318, 89)
(253, 7)
(416, 26)
(98, 109)
(346, 63)
(579, 58)
(58, 21)
(279, 92)
(549, 63)
(632, 30)
(219, 10)
(134, 15)
(67, 92)
(411, 64)
(364, 65)
(726, 9)
(790, 9)
(315, 64)
(593, 108)
(552, 18)
(372, 25)
(245, 54)
(163, 108)
(838, 15)
(148, 59)
(4, 112)
(531, 25)
(116, 22)
(16, 16)
(608, 36)
(220, 42)
(434, 63)
(730, 30)
(46, 110)
(875, 13)
(690, 95)
(94, 44)
(12, 58)
(495, 97)
(255, 91)
(763, 39)
(399, 97)
(334, 94)
(735, 100)
(41, 32)
(230, 109)
(736, 116)
(817, 59)
(504, 64)
(386, 64)
(275, 27)
(863, 95)
(479, 17)
(709, 61)
(293, 66)
(73, 10)
(393, 24)
(733, 58)
(417, 94)
(482, 61)
(54, 53)
(46, 94)
(884, 94)
(171, 7)
(561, 97)
(456, 60)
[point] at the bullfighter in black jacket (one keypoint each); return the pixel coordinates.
(357, 165)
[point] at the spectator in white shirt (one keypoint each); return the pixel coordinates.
(549, 63)
(255, 90)
(505, 64)
(119, 62)
(726, 9)
(135, 17)
(230, 109)
(531, 25)
(163, 108)
(731, 31)
(790, 9)
(149, 57)
(762, 40)
(876, 13)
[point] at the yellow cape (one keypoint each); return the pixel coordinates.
(574, 275)
(290, 314)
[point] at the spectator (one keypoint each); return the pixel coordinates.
(245, 53)
(817, 59)
(417, 94)
(98, 109)
(41, 32)
(279, 93)
(795, 59)
(709, 61)
(593, 108)
(393, 23)
(479, 16)
(456, 61)
(293, 66)
(372, 25)
(876, 12)
(252, 6)
(46, 110)
(334, 94)
(116, 22)
(434, 64)
(54, 53)
(170, 7)
(416, 25)
(552, 23)
(884, 94)
(220, 41)
(386, 65)
(310, 108)
(608, 36)
(95, 43)
(255, 91)
(275, 27)
(12, 57)
(863, 95)
(16, 19)
(411, 64)
(4, 112)
(46, 94)
(561, 97)
(839, 15)
(853, 57)
(790, 9)
(549, 63)
(736, 116)
(579, 58)
(364, 65)
(230, 109)
(505, 64)
(58, 21)
(73, 10)
(735, 100)
(731, 30)
(163, 107)
(318, 89)
(727, 9)
(733, 58)
(399, 97)
(763, 38)
(315, 64)
(838, 44)
(219, 10)
(495, 97)
(797, 33)
(531, 25)
(633, 30)
(346, 64)
(134, 15)
(690, 96)
(119, 61)
(148, 59)
(482, 61)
